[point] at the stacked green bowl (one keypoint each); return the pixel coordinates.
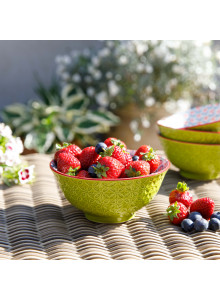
(191, 141)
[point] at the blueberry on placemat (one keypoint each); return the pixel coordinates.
(194, 216)
(214, 224)
(216, 215)
(201, 225)
(187, 225)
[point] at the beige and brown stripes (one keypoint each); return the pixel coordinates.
(37, 222)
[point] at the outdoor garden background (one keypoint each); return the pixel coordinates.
(83, 91)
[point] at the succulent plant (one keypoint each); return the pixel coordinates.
(57, 116)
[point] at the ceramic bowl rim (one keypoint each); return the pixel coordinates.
(118, 179)
(184, 142)
(188, 129)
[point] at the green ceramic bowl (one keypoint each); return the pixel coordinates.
(110, 201)
(195, 161)
(187, 135)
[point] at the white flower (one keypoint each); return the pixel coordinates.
(95, 61)
(26, 175)
(76, 78)
(149, 89)
(113, 88)
(134, 125)
(140, 67)
(5, 130)
(109, 75)
(141, 47)
(102, 99)
(2, 156)
(90, 91)
(149, 102)
(104, 52)
(145, 122)
(122, 60)
(11, 158)
(110, 44)
(1, 170)
(97, 74)
(19, 145)
(137, 137)
(149, 69)
(91, 69)
(66, 60)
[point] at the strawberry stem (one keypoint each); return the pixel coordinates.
(172, 211)
(108, 151)
(148, 156)
(73, 171)
(100, 170)
(182, 186)
(132, 172)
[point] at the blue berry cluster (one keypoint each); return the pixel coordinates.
(196, 222)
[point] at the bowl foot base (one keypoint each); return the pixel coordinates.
(108, 219)
(196, 176)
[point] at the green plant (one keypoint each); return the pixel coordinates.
(57, 117)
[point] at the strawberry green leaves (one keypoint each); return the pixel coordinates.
(182, 186)
(173, 210)
(100, 170)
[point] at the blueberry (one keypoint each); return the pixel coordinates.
(135, 158)
(194, 216)
(91, 171)
(216, 215)
(187, 225)
(214, 224)
(201, 225)
(100, 147)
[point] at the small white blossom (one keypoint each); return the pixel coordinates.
(123, 60)
(149, 102)
(137, 137)
(113, 88)
(97, 74)
(140, 67)
(102, 99)
(145, 122)
(95, 61)
(109, 75)
(141, 48)
(133, 125)
(149, 89)
(26, 175)
(90, 91)
(76, 78)
(5, 130)
(110, 44)
(104, 52)
(149, 69)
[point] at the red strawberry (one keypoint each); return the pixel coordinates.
(108, 168)
(114, 152)
(128, 159)
(137, 168)
(177, 212)
(152, 159)
(83, 174)
(205, 206)
(69, 148)
(114, 141)
(142, 149)
(180, 194)
(88, 157)
(66, 162)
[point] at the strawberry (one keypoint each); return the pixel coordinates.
(108, 168)
(69, 148)
(205, 206)
(83, 174)
(177, 212)
(114, 152)
(181, 194)
(151, 158)
(142, 149)
(137, 168)
(88, 157)
(67, 163)
(128, 159)
(114, 141)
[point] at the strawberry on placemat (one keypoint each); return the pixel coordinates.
(181, 194)
(177, 212)
(205, 206)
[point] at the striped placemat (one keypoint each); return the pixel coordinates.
(37, 222)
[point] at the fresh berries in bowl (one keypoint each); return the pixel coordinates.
(105, 182)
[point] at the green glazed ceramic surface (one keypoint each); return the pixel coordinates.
(212, 127)
(195, 161)
(190, 135)
(110, 201)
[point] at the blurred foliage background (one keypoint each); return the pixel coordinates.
(120, 88)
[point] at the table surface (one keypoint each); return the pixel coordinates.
(37, 222)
